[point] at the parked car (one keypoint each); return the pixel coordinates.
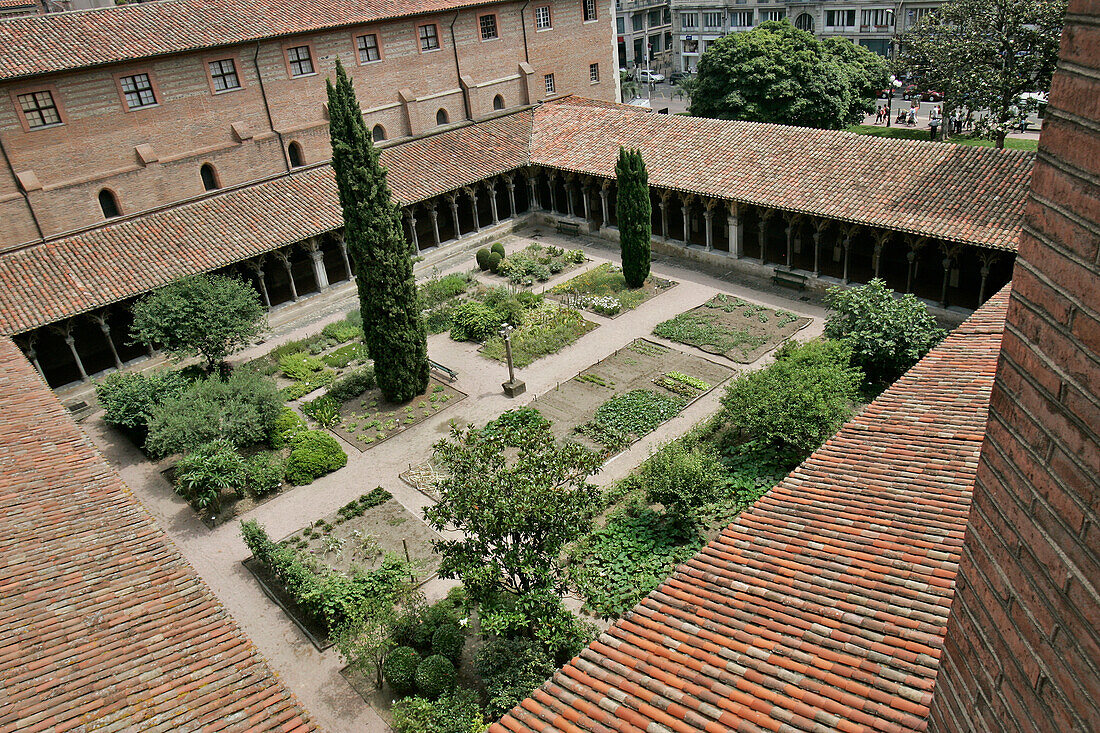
(911, 91)
(641, 102)
(677, 76)
(650, 76)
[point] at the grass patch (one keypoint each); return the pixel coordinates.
(546, 329)
(916, 133)
(603, 290)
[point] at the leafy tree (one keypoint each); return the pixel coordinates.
(776, 73)
(511, 669)
(516, 498)
(206, 315)
(629, 87)
(128, 398)
(366, 640)
(682, 480)
(985, 54)
(635, 216)
(887, 334)
(800, 399)
(457, 711)
(393, 331)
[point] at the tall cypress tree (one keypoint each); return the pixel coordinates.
(392, 329)
(635, 215)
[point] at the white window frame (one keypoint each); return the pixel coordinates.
(543, 19)
(588, 9)
(548, 81)
(295, 60)
(362, 48)
(594, 73)
(689, 20)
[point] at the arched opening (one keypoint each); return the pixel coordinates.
(294, 151)
(804, 22)
(379, 133)
(209, 177)
(108, 202)
(498, 102)
(441, 117)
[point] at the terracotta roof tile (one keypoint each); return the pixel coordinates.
(60, 41)
(823, 606)
(104, 626)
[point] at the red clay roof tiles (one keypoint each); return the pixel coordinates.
(60, 41)
(103, 625)
(823, 606)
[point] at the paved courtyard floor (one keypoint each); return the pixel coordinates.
(217, 554)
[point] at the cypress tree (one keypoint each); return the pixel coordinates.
(635, 215)
(392, 329)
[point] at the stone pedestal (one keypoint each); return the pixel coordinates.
(514, 388)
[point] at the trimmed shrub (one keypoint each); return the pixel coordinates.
(499, 249)
(352, 384)
(495, 258)
(458, 711)
(313, 454)
(511, 669)
(482, 257)
(287, 424)
(210, 471)
(399, 669)
(129, 398)
(448, 640)
(434, 676)
(681, 479)
(473, 320)
(263, 474)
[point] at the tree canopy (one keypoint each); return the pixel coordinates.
(206, 315)
(633, 211)
(776, 73)
(986, 56)
(392, 328)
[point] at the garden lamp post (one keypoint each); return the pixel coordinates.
(513, 387)
(894, 84)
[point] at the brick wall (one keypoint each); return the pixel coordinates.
(151, 157)
(1022, 652)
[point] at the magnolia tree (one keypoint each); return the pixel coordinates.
(989, 56)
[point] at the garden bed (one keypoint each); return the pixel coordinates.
(602, 290)
(734, 328)
(367, 420)
(534, 263)
(547, 329)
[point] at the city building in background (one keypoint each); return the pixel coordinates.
(644, 33)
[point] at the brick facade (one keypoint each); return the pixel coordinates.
(1023, 643)
(151, 157)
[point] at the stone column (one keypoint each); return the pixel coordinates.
(584, 201)
(511, 197)
(344, 253)
(434, 213)
(708, 217)
(553, 193)
(318, 258)
(453, 201)
(32, 354)
(282, 257)
(685, 207)
(846, 243)
(533, 185)
(106, 328)
(491, 186)
(472, 193)
(880, 242)
(605, 189)
(762, 233)
(950, 254)
(71, 343)
(819, 226)
(410, 213)
(257, 266)
(987, 261)
(736, 230)
(663, 203)
(914, 245)
(568, 196)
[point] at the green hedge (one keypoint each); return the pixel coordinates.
(434, 676)
(399, 669)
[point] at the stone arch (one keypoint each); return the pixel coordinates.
(209, 177)
(294, 152)
(108, 204)
(804, 22)
(441, 117)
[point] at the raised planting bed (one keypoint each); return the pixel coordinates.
(367, 420)
(524, 266)
(547, 328)
(602, 290)
(357, 537)
(734, 328)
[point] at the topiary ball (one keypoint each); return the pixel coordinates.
(482, 258)
(434, 676)
(498, 248)
(400, 669)
(495, 258)
(448, 640)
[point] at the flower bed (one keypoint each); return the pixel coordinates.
(603, 290)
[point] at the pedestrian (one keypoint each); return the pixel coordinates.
(933, 124)
(969, 120)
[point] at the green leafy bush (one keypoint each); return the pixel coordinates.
(546, 329)
(538, 615)
(263, 473)
(308, 371)
(346, 354)
(313, 454)
(324, 409)
(204, 475)
(399, 669)
(681, 479)
(495, 258)
(498, 248)
(473, 320)
(448, 640)
(456, 711)
(434, 676)
(241, 409)
(529, 298)
(482, 258)
(128, 398)
(286, 424)
(343, 330)
(442, 289)
(629, 416)
(418, 623)
(511, 669)
(352, 384)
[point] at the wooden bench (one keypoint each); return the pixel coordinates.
(451, 373)
(789, 279)
(568, 227)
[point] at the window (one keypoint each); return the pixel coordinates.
(441, 117)
(589, 10)
(712, 20)
(488, 25)
(668, 16)
(549, 81)
(301, 63)
(689, 20)
(39, 109)
(108, 203)
(594, 73)
(224, 75)
(209, 177)
(840, 18)
(294, 152)
(775, 15)
(368, 48)
(741, 19)
(804, 22)
(691, 46)
(880, 17)
(429, 37)
(542, 18)
(498, 102)
(378, 134)
(637, 21)
(653, 17)
(915, 15)
(620, 24)
(668, 40)
(138, 91)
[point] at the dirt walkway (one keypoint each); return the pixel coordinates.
(217, 554)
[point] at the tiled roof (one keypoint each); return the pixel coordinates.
(103, 625)
(47, 282)
(953, 192)
(18, 4)
(60, 41)
(823, 606)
